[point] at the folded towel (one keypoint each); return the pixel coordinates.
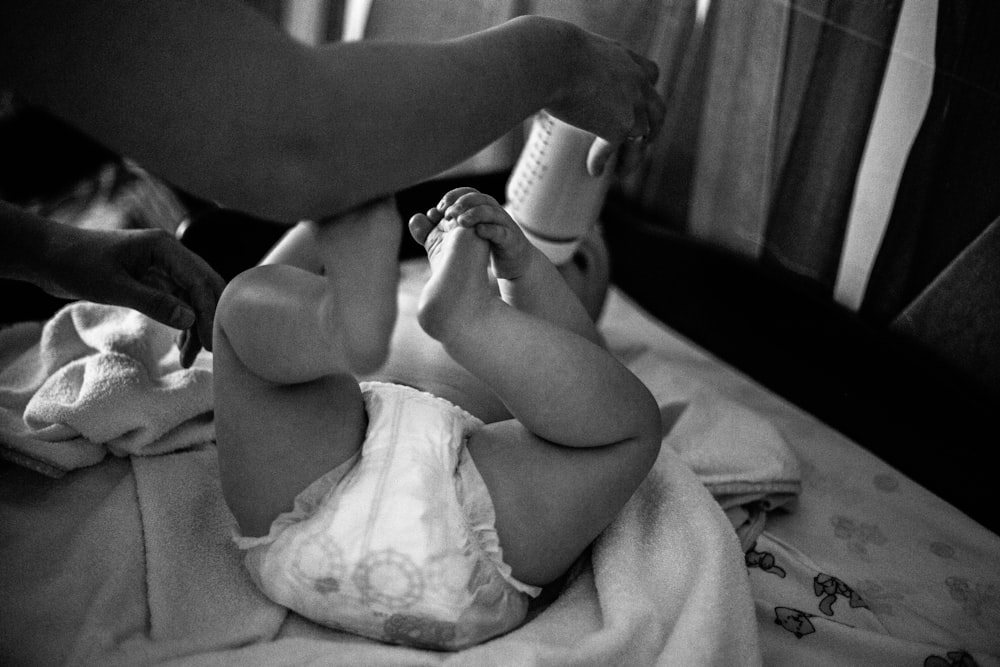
(737, 453)
(97, 379)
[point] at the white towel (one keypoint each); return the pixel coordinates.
(737, 453)
(98, 379)
(664, 584)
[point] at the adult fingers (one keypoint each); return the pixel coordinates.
(157, 304)
(650, 69)
(645, 122)
(199, 282)
(600, 154)
(647, 117)
(650, 108)
(635, 149)
(657, 112)
(189, 344)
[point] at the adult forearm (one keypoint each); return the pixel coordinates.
(416, 109)
(217, 101)
(23, 241)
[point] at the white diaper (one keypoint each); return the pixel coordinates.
(398, 543)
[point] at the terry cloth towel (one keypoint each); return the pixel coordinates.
(664, 584)
(97, 379)
(738, 454)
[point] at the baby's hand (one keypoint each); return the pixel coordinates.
(510, 250)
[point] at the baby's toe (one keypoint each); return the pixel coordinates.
(420, 228)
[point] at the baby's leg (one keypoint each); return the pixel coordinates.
(418, 360)
(561, 386)
(588, 272)
(585, 431)
(359, 249)
(289, 342)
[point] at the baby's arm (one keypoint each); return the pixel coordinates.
(526, 278)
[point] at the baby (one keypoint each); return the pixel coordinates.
(427, 503)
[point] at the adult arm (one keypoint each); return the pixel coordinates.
(213, 98)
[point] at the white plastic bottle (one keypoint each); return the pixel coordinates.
(550, 194)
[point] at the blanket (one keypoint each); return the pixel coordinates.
(664, 584)
(94, 380)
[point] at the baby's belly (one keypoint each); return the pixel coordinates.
(417, 360)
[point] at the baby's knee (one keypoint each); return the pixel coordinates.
(268, 310)
(235, 305)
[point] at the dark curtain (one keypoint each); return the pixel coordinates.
(663, 184)
(950, 189)
(668, 32)
(811, 205)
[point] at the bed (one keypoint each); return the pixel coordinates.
(820, 499)
(761, 536)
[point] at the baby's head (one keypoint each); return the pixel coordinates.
(588, 271)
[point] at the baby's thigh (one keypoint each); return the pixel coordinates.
(551, 501)
(274, 441)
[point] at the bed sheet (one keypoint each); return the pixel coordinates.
(129, 561)
(867, 567)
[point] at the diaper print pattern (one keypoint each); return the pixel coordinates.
(389, 578)
(447, 571)
(320, 563)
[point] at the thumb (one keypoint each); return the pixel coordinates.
(598, 156)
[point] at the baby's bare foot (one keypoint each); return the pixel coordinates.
(512, 253)
(459, 293)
